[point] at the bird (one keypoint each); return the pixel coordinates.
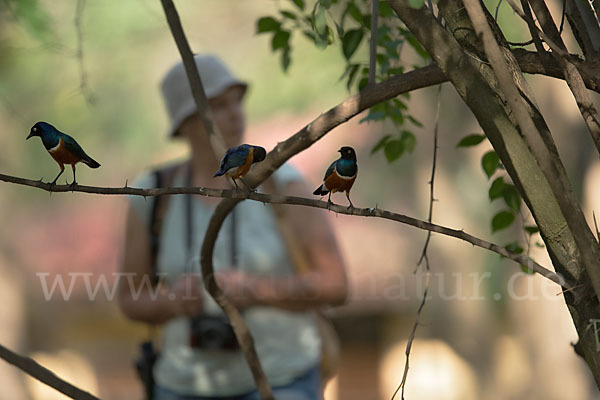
(237, 161)
(62, 147)
(340, 175)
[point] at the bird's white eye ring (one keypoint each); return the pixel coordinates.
(34, 129)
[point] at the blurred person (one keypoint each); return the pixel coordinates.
(252, 258)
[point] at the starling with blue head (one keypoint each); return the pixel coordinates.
(62, 147)
(237, 161)
(340, 175)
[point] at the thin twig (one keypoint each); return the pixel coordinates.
(44, 375)
(562, 17)
(373, 43)
(497, 10)
(432, 179)
(596, 226)
(535, 38)
(551, 43)
(520, 44)
(412, 335)
(424, 255)
(83, 85)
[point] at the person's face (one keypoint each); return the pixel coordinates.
(228, 114)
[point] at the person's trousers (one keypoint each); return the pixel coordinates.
(305, 387)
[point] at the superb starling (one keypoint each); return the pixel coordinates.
(62, 147)
(340, 175)
(237, 161)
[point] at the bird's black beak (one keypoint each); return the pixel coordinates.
(340, 150)
(30, 135)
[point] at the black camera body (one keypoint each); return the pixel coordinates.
(145, 365)
(212, 332)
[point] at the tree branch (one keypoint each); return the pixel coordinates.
(571, 73)
(198, 93)
(529, 62)
(218, 147)
(554, 172)
(44, 375)
(237, 195)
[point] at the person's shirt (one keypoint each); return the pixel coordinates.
(287, 343)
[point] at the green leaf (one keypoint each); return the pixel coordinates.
(355, 12)
(496, 189)
(490, 162)
(362, 83)
(395, 71)
(502, 220)
(351, 41)
(532, 229)
(409, 141)
(285, 58)
(267, 24)
(414, 121)
(374, 116)
(340, 29)
(352, 75)
(398, 103)
(393, 150)
(34, 17)
(280, 40)
(320, 22)
(514, 247)
(394, 113)
(310, 35)
(288, 14)
(380, 144)
(416, 3)
(471, 140)
(512, 198)
(527, 270)
(299, 4)
(385, 11)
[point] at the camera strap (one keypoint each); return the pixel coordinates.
(189, 226)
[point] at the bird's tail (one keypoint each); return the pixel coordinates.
(90, 162)
(219, 173)
(321, 191)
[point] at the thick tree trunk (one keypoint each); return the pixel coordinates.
(461, 57)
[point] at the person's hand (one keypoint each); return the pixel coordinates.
(237, 285)
(186, 296)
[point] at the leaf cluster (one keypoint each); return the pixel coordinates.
(347, 24)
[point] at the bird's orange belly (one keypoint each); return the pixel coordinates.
(63, 156)
(335, 183)
(243, 169)
(239, 171)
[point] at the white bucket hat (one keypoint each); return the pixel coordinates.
(177, 95)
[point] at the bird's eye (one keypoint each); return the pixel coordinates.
(35, 129)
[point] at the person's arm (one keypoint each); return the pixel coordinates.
(325, 283)
(137, 298)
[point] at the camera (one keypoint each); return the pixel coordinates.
(212, 332)
(144, 365)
